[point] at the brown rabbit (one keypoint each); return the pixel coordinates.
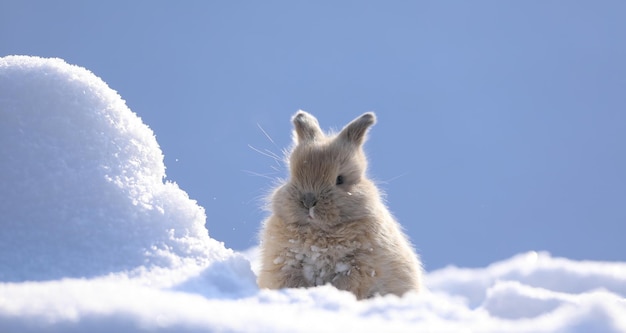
(329, 223)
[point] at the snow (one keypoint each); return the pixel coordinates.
(95, 239)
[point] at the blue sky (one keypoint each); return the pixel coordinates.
(502, 125)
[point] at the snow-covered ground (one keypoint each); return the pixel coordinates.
(95, 240)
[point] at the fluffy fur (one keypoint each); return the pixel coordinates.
(328, 223)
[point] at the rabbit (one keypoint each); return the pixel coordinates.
(328, 223)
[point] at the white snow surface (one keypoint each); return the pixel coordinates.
(94, 239)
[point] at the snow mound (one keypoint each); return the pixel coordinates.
(83, 181)
(120, 304)
(535, 270)
(543, 293)
(94, 240)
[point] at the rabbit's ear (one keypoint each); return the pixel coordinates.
(306, 126)
(355, 131)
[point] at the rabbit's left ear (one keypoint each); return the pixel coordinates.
(355, 131)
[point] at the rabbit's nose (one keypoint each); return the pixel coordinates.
(309, 200)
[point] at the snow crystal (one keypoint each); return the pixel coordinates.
(279, 260)
(341, 267)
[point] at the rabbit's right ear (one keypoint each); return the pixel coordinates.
(355, 131)
(306, 126)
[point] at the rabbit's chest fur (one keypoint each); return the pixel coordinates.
(323, 261)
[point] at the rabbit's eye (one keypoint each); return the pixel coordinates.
(340, 180)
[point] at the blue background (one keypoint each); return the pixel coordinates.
(502, 125)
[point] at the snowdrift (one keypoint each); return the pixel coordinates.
(94, 239)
